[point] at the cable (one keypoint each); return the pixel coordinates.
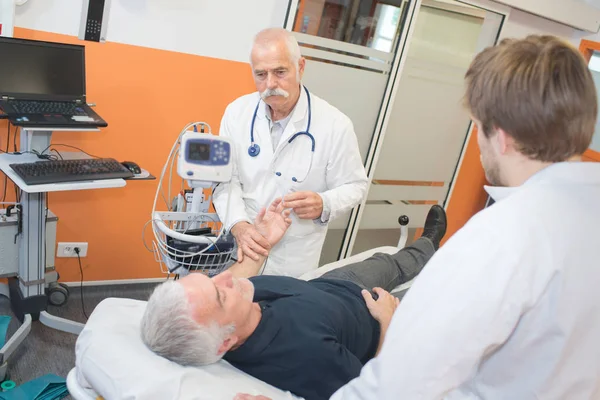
(68, 145)
(5, 176)
(40, 156)
(57, 152)
(14, 139)
(76, 249)
(17, 190)
(17, 193)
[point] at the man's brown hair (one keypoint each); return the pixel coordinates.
(539, 91)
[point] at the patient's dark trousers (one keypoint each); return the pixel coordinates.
(387, 271)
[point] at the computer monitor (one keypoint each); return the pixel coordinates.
(37, 70)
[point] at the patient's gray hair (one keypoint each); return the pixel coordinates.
(169, 330)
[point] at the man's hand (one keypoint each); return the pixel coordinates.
(244, 396)
(249, 241)
(273, 223)
(306, 205)
(383, 308)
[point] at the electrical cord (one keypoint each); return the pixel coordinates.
(57, 152)
(76, 249)
(14, 139)
(6, 177)
(72, 147)
(17, 190)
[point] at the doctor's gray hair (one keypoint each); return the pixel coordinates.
(279, 33)
(169, 330)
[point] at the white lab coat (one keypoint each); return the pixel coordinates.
(508, 308)
(337, 174)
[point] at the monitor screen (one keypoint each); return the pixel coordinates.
(41, 69)
(198, 151)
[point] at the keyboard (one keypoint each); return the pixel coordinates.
(59, 171)
(47, 107)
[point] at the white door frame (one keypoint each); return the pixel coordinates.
(414, 7)
(505, 12)
(389, 94)
(291, 15)
(374, 153)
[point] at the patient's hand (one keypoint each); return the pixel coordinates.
(383, 308)
(243, 396)
(274, 222)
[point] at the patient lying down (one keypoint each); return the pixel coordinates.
(309, 338)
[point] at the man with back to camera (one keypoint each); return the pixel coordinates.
(306, 337)
(288, 143)
(509, 308)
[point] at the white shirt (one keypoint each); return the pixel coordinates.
(509, 307)
(277, 127)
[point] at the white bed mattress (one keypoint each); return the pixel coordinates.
(112, 360)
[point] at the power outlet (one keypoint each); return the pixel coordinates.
(67, 249)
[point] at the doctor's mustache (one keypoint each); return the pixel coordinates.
(274, 92)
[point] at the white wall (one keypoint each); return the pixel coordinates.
(213, 28)
(521, 24)
(577, 13)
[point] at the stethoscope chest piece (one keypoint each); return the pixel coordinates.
(253, 150)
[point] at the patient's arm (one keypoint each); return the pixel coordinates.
(272, 224)
(382, 310)
(247, 268)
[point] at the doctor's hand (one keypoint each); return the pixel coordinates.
(274, 222)
(306, 205)
(249, 241)
(383, 308)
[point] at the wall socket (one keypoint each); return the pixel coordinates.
(67, 249)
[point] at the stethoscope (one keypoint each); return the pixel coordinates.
(254, 149)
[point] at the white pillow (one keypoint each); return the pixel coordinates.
(112, 359)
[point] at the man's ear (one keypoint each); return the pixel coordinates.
(301, 65)
(503, 142)
(227, 344)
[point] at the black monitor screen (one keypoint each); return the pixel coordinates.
(39, 68)
(198, 152)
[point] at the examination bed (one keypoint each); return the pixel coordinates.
(113, 363)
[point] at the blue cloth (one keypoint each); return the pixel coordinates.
(313, 337)
(47, 387)
(4, 322)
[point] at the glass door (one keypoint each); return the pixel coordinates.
(418, 153)
(353, 50)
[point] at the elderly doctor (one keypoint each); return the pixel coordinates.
(288, 143)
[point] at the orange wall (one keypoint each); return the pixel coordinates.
(147, 96)
(468, 196)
